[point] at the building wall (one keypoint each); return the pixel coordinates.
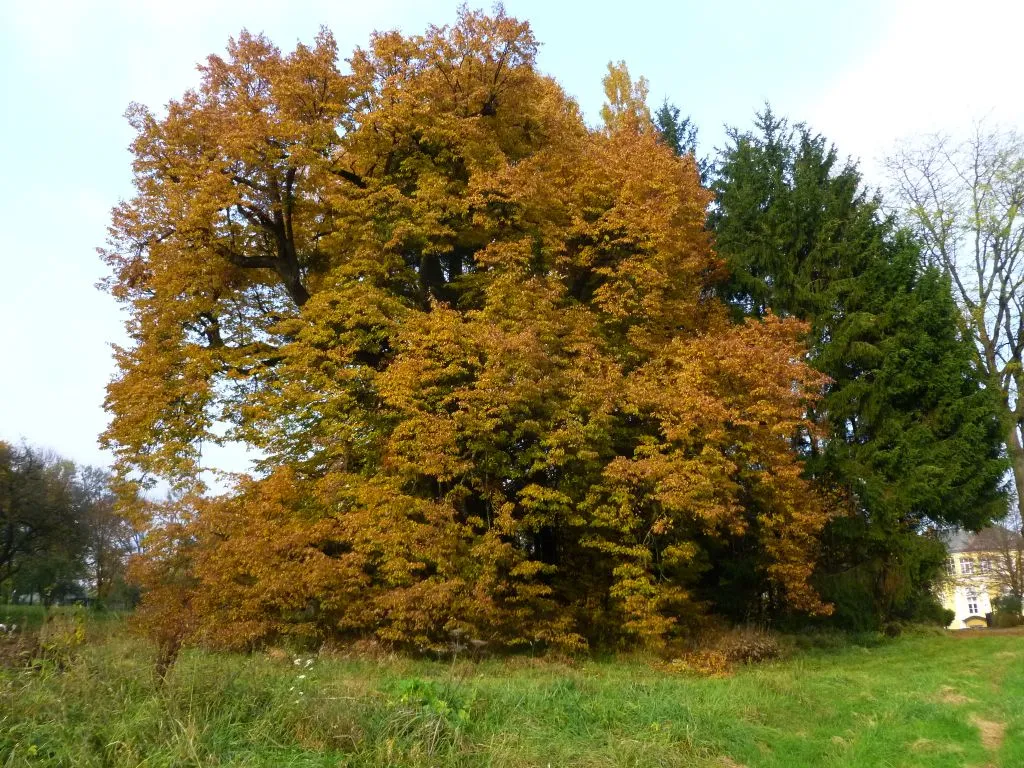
(968, 594)
(958, 600)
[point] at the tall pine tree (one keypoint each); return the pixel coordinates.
(910, 436)
(679, 134)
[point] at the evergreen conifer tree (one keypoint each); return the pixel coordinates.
(910, 435)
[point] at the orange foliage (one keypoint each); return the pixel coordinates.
(477, 342)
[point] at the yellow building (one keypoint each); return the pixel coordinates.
(978, 565)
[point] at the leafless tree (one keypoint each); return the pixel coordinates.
(1005, 570)
(964, 199)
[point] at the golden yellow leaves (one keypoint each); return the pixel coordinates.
(626, 106)
(478, 343)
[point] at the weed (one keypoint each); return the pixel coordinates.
(432, 713)
(60, 639)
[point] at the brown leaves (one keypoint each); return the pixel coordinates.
(507, 404)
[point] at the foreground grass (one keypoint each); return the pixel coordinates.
(922, 701)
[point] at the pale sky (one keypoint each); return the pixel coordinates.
(864, 74)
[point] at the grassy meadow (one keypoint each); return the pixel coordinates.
(923, 700)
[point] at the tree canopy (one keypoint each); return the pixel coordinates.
(911, 434)
(477, 342)
(962, 199)
(60, 535)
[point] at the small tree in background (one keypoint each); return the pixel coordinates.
(41, 535)
(1005, 566)
(110, 537)
(62, 537)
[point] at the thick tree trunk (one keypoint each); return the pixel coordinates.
(290, 274)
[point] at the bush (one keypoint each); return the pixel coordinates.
(1007, 604)
(718, 651)
(1006, 612)
(928, 610)
(1002, 620)
(749, 646)
(893, 629)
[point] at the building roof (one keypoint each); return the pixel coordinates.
(991, 539)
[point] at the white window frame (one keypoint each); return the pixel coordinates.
(972, 603)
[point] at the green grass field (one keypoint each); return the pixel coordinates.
(935, 700)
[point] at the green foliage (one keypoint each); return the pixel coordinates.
(1007, 611)
(679, 134)
(962, 198)
(911, 438)
(41, 535)
(1007, 604)
(925, 610)
(431, 712)
(59, 529)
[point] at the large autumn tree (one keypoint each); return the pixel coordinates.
(911, 435)
(477, 343)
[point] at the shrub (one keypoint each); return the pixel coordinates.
(930, 611)
(749, 646)
(717, 651)
(893, 629)
(61, 637)
(1007, 604)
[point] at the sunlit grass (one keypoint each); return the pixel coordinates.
(918, 701)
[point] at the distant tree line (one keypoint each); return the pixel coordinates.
(61, 536)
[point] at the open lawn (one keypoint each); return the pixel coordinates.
(939, 700)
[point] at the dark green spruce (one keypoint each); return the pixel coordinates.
(680, 135)
(910, 437)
